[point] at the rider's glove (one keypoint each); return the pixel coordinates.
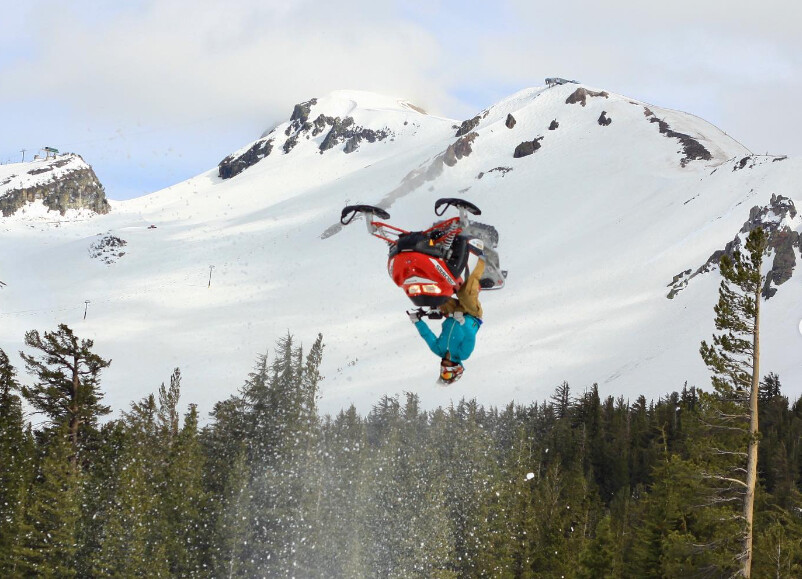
(414, 316)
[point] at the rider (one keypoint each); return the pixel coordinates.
(463, 318)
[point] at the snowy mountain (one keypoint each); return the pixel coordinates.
(601, 202)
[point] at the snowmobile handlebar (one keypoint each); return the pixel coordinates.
(461, 204)
(428, 313)
(349, 212)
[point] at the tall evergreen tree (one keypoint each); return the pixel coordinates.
(734, 358)
(282, 423)
(131, 523)
(68, 386)
(16, 462)
(342, 547)
(47, 542)
(183, 500)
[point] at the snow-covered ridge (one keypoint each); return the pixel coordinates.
(545, 105)
(344, 120)
(593, 223)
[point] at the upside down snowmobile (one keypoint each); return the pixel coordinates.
(431, 265)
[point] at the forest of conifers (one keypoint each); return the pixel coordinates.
(574, 486)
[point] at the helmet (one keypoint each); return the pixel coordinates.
(450, 371)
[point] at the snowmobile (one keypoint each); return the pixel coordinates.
(431, 265)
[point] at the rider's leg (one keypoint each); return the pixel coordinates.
(468, 295)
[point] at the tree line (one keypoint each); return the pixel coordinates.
(576, 486)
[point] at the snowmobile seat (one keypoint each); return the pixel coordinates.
(459, 255)
(418, 242)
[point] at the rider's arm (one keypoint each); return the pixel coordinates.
(429, 337)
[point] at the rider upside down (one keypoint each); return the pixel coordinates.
(458, 332)
(434, 264)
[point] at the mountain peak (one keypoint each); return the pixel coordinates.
(344, 118)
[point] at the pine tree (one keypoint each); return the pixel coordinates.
(406, 519)
(183, 500)
(342, 549)
(16, 458)
(598, 558)
(47, 541)
(226, 480)
(232, 532)
(131, 521)
(280, 401)
(465, 457)
(734, 358)
(68, 387)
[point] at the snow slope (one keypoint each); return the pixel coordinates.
(593, 227)
(39, 172)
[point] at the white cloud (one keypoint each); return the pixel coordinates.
(172, 59)
(715, 59)
(84, 71)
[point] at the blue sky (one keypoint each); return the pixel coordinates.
(152, 92)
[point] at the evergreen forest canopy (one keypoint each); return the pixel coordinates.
(576, 486)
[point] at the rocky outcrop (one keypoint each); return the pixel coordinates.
(300, 116)
(743, 163)
(527, 148)
(290, 143)
(692, 149)
(581, 95)
(107, 249)
(322, 122)
(554, 125)
(469, 125)
(337, 131)
(783, 241)
(346, 131)
(459, 149)
(62, 183)
(510, 122)
(500, 170)
(604, 120)
(235, 164)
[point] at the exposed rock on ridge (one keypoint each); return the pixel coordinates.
(348, 131)
(469, 125)
(581, 95)
(782, 242)
(459, 149)
(693, 149)
(527, 148)
(235, 164)
(338, 131)
(66, 182)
